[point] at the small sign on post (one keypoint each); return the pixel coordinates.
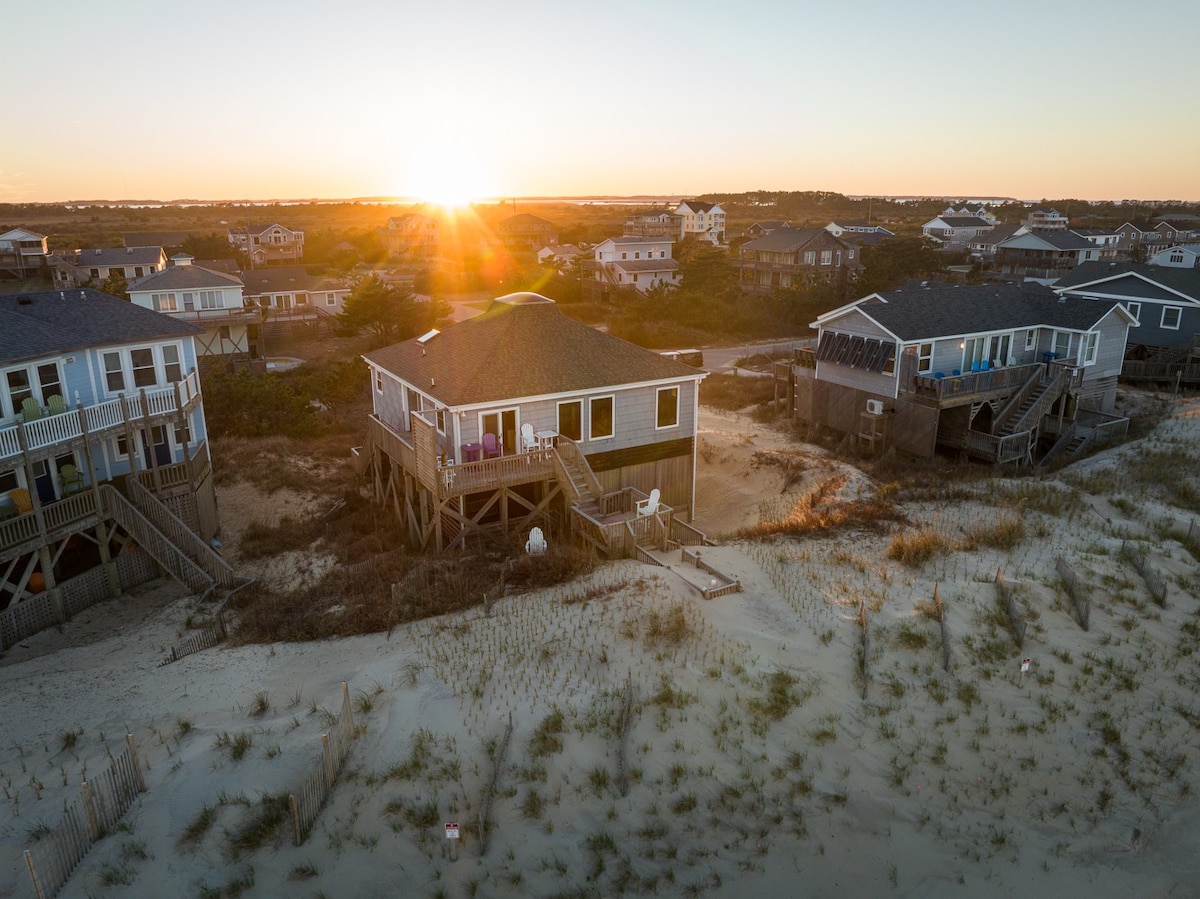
(1024, 668)
(452, 836)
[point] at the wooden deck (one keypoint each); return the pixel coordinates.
(970, 387)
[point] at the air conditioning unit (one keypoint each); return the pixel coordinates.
(874, 407)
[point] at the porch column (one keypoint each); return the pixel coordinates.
(148, 430)
(30, 481)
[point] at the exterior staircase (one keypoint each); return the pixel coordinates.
(1026, 409)
(167, 538)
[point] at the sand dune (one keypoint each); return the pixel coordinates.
(751, 759)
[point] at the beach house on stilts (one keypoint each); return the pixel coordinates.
(523, 417)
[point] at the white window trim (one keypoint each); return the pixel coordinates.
(378, 381)
(924, 363)
(657, 393)
(1091, 348)
(1030, 339)
(612, 399)
(1134, 309)
(558, 414)
(1178, 318)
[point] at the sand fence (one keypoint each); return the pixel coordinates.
(92, 815)
(307, 802)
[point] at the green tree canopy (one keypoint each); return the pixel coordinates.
(387, 312)
(898, 259)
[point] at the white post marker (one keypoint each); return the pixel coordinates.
(452, 836)
(1024, 668)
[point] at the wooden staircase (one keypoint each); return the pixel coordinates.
(1031, 403)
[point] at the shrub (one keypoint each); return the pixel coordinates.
(915, 548)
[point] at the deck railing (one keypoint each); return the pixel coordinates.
(999, 449)
(99, 418)
(974, 383)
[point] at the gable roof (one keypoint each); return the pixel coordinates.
(1058, 240)
(524, 220)
(21, 234)
(964, 221)
(787, 240)
(696, 205)
(273, 280)
(998, 234)
(260, 229)
(109, 256)
(1100, 276)
(58, 321)
(185, 277)
(931, 313)
(522, 346)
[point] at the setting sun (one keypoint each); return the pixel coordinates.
(446, 176)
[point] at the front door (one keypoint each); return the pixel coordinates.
(161, 447)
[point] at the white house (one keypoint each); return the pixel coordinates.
(637, 262)
(211, 299)
(22, 252)
(703, 221)
(1179, 256)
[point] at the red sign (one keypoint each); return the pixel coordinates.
(451, 831)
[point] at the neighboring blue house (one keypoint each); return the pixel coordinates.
(522, 416)
(1165, 300)
(93, 389)
(992, 370)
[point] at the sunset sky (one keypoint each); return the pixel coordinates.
(458, 100)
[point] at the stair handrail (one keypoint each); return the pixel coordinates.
(1061, 444)
(176, 529)
(164, 551)
(1054, 389)
(574, 455)
(1014, 402)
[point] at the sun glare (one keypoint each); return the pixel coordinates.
(448, 177)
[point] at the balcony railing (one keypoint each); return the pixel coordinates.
(103, 417)
(973, 384)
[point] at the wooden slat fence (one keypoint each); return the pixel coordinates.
(725, 584)
(307, 802)
(940, 610)
(1016, 623)
(1155, 582)
(1079, 599)
(485, 805)
(85, 821)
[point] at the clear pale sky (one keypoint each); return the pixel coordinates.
(230, 100)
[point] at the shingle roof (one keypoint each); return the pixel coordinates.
(1181, 280)
(184, 277)
(522, 346)
(1060, 240)
(965, 221)
(952, 311)
(697, 205)
(108, 256)
(636, 241)
(996, 235)
(33, 325)
(786, 239)
(273, 280)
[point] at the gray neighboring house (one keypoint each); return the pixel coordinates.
(993, 371)
(608, 422)
(1164, 300)
(1043, 255)
(98, 265)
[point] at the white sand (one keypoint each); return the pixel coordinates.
(975, 782)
